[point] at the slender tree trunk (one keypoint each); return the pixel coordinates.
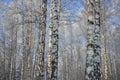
(28, 42)
(40, 75)
(28, 51)
(3, 31)
(105, 61)
(23, 52)
(93, 58)
(52, 66)
(15, 69)
(11, 53)
(22, 76)
(71, 53)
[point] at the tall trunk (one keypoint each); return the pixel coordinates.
(109, 55)
(105, 61)
(3, 32)
(23, 52)
(71, 53)
(15, 16)
(15, 42)
(64, 57)
(28, 42)
(15, 54)
(28, 51)
(12, 53)
(79, 62)
(40, 75)
(13, 49)
(52, 67)
(97, 42)
(93, 58)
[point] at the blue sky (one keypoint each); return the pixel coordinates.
(6, 1)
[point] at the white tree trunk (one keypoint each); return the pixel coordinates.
(40, 75)
(52, 66)
(93, 58)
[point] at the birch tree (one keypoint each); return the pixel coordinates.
(52, 67)
(93, 58)
(40, 75)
